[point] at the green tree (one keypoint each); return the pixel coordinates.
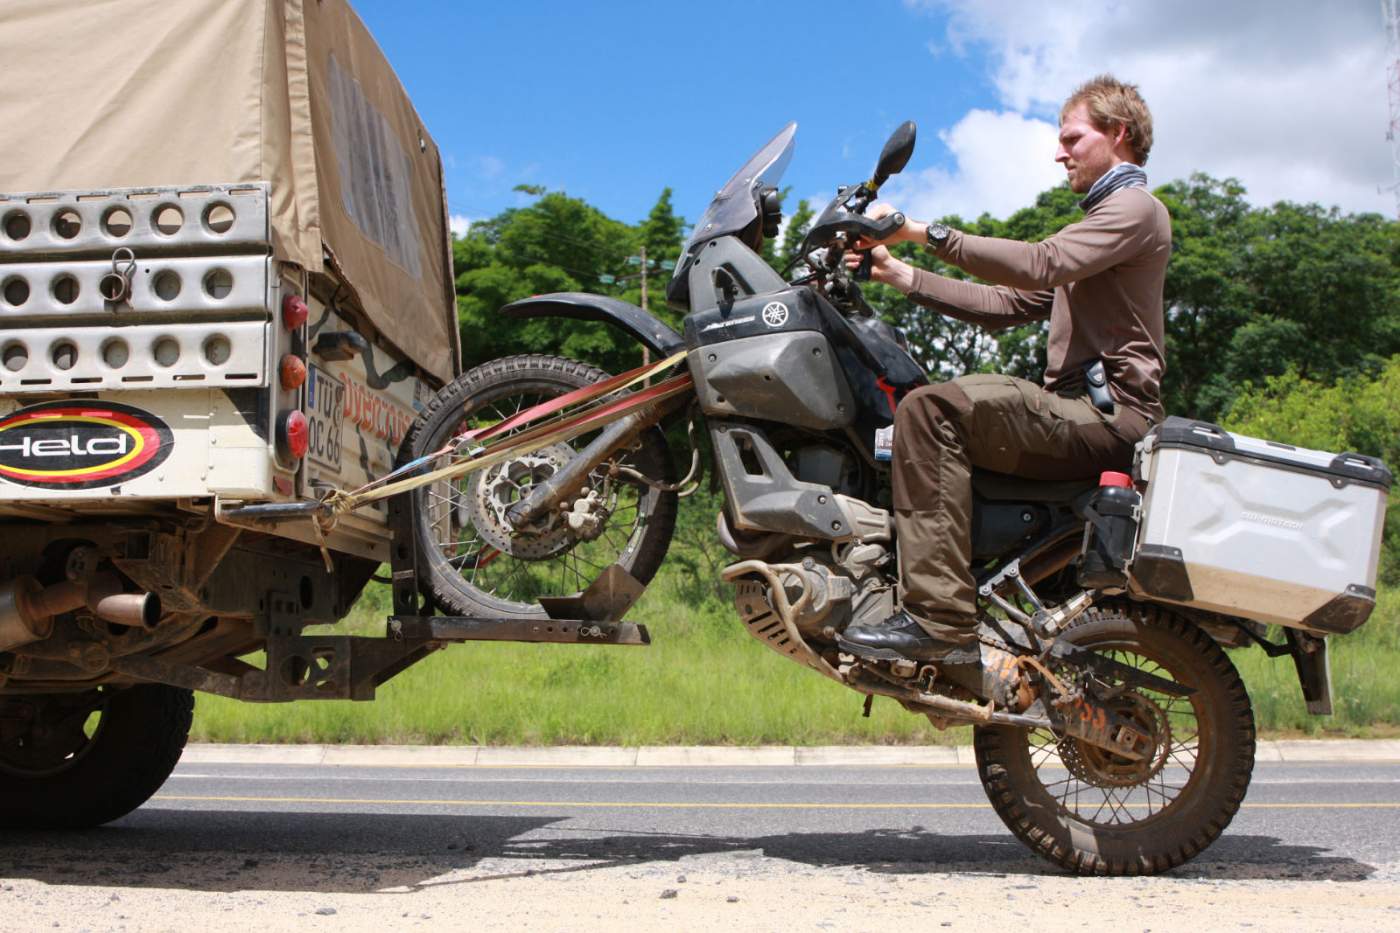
(663, 232)
(1359, 414)
(1250, 292)
(558, 243)
(663, 235)
(1253, 292)
(797, 226)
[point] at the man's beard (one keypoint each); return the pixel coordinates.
(1080, 180)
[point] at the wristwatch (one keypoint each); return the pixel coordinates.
(937, 235)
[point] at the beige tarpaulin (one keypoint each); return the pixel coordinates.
(129, 93)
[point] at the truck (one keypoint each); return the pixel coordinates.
(225, 288)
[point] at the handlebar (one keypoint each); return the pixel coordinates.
(886, 225)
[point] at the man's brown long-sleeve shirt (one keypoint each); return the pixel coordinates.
(1099, 281)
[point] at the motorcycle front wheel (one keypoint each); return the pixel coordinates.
(1093, 812)
(471, 561)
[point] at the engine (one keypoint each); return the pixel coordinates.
(813, 594)
(827, 464)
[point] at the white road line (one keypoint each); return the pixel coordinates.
(465, 779)
(319, 779)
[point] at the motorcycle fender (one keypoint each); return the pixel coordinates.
(580, 306)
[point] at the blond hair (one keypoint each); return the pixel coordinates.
(1112, 104)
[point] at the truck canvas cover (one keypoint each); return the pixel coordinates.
(295, 93)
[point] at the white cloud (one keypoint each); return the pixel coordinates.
(490, 166)
(1289, 96)
(1002, 161)
(459, 224)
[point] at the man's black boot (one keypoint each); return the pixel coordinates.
(901, 637)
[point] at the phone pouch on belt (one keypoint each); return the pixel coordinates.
(1096, 383)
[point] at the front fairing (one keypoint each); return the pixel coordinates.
(735, 206)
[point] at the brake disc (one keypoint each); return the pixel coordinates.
(490, 492)
(1101, 768)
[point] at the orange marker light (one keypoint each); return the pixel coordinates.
(291, 371)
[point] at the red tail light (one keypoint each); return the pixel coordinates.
(293, 434)
(294, 312)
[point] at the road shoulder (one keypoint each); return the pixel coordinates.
(584, 756)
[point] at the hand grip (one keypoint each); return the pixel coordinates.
(863, 270)
(887, 225)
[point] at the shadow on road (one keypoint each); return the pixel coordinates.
(361, 853)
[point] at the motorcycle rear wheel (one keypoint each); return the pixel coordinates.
(1109, 816)
(469, 564)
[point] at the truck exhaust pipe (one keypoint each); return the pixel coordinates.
(27, 608)
(110, 603)
(20, 623)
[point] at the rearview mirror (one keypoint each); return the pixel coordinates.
(898, 149)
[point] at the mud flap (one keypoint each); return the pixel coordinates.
(1314, 670)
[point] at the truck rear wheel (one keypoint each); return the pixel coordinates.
(70, 761)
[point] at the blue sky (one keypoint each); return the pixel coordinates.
(613, 101)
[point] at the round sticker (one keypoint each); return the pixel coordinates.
(775, 314)
(81, 445)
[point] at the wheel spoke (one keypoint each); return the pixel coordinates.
(552, 560)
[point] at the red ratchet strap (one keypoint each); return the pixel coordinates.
(555, 404)
(535, 413)
(632, 400)
(569, 427)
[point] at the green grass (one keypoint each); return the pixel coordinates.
(1365, 681)
(705, 681)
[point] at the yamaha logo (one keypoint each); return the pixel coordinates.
(775, 314)
(81, 445)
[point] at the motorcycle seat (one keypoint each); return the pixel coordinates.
(1001, 487)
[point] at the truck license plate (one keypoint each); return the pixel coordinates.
(325, 414)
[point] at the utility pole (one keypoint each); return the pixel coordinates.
(646, 351)
(646, 265)
(1390, 10)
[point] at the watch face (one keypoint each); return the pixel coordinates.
(937, 233)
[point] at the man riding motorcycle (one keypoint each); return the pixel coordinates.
(1100, 283)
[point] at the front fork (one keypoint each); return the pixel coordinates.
(565, 484)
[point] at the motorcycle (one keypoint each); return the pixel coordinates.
(1125, 742)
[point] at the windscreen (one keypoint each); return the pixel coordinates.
(734, 207)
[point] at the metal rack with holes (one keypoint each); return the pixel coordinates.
(135, 288)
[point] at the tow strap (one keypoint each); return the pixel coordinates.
(591, 410)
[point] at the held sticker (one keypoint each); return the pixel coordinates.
(81, 445)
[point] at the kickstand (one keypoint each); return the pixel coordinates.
(869, 701)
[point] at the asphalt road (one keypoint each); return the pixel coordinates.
(1315, 845)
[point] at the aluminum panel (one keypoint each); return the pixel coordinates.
(43, 218)
(1261, 541)
(220, 286)
(170, 356)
